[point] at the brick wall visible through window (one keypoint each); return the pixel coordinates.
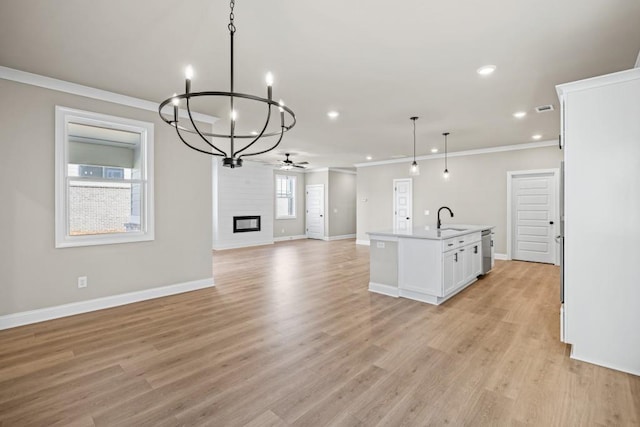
(95, 210)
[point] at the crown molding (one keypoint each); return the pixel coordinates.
(607, 79)
(326, 169)
(514, 147)
(45, 82)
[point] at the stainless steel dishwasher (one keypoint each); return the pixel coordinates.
(487, 251)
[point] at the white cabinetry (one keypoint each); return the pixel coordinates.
(601, 142)
(434, 270)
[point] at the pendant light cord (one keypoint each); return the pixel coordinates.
(414, 137)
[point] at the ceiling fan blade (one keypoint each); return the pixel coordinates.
(297, 165)
(303, 163)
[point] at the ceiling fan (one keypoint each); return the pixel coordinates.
(287, 164)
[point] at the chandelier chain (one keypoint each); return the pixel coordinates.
(232, 27)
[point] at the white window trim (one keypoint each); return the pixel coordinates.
(295, 201)
(63, 240)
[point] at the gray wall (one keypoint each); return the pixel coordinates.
(342, 204)
(33, 274)
(476, 191)
(292, 227)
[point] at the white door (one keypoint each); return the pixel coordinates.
(402, 205)
(533, 213)
(315, 211)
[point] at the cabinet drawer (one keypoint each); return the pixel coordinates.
(449, 244)
(457, 242)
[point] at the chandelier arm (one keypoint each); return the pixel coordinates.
(268, 149)
(191, 146)
(222, 153)
(261, 132)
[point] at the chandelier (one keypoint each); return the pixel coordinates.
(239, 145)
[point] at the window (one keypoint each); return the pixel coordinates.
(104, 179)
(285, 197)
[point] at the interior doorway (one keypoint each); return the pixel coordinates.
(315, 211)
(532, 215)
(402, 205)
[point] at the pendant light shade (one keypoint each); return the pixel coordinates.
(445, 174)
(414, 170)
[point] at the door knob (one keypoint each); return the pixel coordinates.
(320, 216)
(551, 222)
(408, 218)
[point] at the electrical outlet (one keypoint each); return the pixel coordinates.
(82, 282)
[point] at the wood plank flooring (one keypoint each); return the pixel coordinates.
(290, 336)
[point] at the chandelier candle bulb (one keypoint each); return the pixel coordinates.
(188, 73)
(269, 79)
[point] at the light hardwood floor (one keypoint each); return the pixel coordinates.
(291, 336)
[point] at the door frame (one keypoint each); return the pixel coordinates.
(556, 215)
(306, 214)
(393, 216)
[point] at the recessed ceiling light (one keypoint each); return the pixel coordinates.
(519, 114)
(434, 150)
(536, 136)
(254, 132)
(486, 70)
(369, 157)
(333, 114)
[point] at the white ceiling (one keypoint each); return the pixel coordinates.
(376, 62)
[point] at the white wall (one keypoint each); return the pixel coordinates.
(33, 273)
(248, 190)
(476, 191)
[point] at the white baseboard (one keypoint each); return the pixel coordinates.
(238, 245)
(285, 238)
(363, 242)
(379, 288)
(344, 236)
(34, 316)
(502, 257)
(628, 369)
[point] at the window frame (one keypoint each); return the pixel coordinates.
(293, 179)
(63, 116)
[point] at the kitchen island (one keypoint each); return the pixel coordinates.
(426, 263)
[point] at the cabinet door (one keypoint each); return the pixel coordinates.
(459, 268)
(467, 264)
(476, 256)
(449, 262)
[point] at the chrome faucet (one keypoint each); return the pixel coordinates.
(450, 213)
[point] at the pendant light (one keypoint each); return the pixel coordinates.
(446, 169)
(239, 145)
(414, 170)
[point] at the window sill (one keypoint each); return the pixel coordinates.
(94, 240)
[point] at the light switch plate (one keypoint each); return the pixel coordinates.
(426, 212)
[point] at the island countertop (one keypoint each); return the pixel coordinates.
(431, 232)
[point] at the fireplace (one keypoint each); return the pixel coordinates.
(243, 224)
